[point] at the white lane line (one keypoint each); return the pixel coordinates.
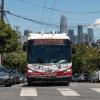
(28, 92)
(67, 92)
(96, 89)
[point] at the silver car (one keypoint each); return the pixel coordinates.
(5, 78)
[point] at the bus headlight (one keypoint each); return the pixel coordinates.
(69, 70)
(30, 71)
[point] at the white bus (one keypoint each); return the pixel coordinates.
(48, 58)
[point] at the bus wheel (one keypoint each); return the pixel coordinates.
(66, 83)
(29, 83)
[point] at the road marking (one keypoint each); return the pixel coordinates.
(67, 92)
(96, 89)
(28, 92)
(73, 85)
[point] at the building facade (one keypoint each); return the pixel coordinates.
(71, 35)
(63, 24)
(80, 34)
(91, 35)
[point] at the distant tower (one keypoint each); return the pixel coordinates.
(71, 35)
(90, 34)
(26, 32)
(80, 34)
(85, 39)
(63, 24)
(0, 10)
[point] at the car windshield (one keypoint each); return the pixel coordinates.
(3, 69)
(49, 53)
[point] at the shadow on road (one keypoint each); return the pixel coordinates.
(46, 84)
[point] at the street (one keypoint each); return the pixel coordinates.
(76, 91)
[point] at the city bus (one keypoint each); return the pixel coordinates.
(48, 57)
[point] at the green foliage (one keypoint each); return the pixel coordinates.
(15, 60)
(86, 59)
(13, 56)
(8, 38)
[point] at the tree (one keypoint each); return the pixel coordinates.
(8, 38)
(15, 60)
(91, 60)
(86, 59)
(77, 57)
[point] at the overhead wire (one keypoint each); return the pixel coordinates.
(42, 16)
(47, 24)
(64, 11)
(35, 21)
(7, 19)
(57, 10)
(51, 13)
(28, 19)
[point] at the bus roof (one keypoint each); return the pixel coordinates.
(48, 36)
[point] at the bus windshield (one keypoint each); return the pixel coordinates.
(48, 53)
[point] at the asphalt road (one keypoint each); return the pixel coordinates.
(76, 91)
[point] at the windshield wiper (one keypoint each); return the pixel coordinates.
(62, 61)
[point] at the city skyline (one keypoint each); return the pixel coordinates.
(83, 14)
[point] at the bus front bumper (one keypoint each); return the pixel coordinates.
(50, 78)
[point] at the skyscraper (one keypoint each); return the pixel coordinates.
(80, 33)
(71, 35)
(85, 39)
(63, 24)
(26, 32)
(90, 34)
(0, 10)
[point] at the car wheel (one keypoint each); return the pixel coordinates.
(8, 85)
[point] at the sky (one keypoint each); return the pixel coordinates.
(76, 12)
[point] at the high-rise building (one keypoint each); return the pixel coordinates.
(75, 39)
(63, 24)
(85, 39)
(80, 33)
(98, 43)
(26, 32)
(71, 35)
(91, 35)
(0, 9)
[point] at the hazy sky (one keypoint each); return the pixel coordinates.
(76, 12)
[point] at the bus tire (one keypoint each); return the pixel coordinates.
(29, 83)
(67, 83)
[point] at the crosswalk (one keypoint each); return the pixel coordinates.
(68, 92)
(31, 91)
(28, 92)
(96, 89)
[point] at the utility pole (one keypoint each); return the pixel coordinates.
(2, 19)
(2, 10)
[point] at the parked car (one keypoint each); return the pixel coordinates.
(5, 78)
(22, 78)
(78, 77)
(15, 75)
(95, 77)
